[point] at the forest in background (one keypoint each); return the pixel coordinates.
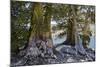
(31, 30)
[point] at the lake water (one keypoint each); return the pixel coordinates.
(92, 42)
(58, 40)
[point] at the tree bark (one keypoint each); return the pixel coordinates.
(78, 42)
(70, 39)
(40, 25)
(70, 33)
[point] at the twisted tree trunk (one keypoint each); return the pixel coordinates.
(40, 42)
(78, 42)
(70, 33)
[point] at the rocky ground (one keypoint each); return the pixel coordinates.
(60, 54)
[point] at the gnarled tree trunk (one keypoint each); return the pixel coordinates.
(70, 33)
(40, 42)
(78, 42)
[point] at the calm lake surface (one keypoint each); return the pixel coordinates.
(58, 40)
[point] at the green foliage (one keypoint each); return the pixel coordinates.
(20, 16)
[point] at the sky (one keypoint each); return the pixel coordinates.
(53, 22)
